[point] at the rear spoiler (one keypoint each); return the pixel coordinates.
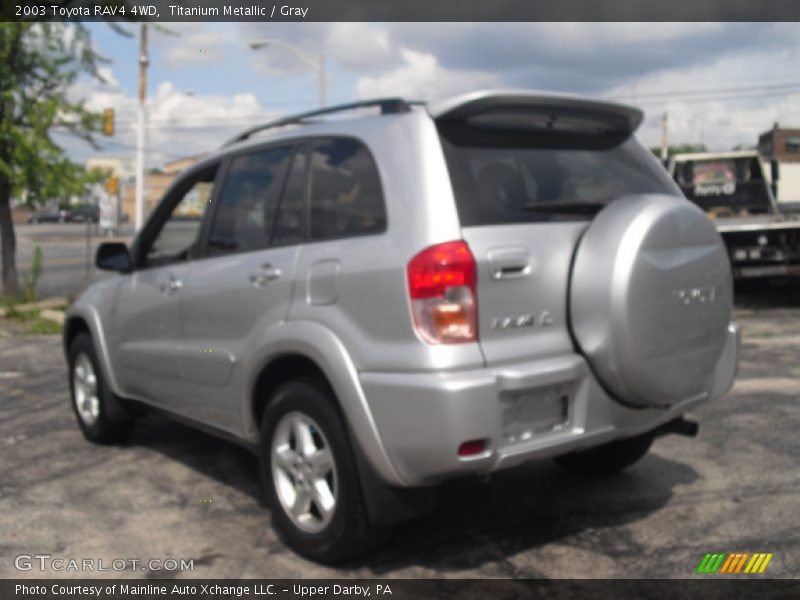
(537, 112)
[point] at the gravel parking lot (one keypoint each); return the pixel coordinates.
(173, 492)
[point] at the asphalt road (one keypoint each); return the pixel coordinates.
(171, 492)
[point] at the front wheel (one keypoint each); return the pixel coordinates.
(309, 475)
(607, 459)
(100, 414)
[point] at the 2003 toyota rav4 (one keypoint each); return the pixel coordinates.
(407, 293)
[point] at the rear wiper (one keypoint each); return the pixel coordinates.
(570, 208)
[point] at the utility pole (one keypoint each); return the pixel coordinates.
(664, 139)
(140, 133)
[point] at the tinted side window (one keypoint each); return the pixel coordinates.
(346, 196)
(290, 221)
(179, 233)
(247, 201)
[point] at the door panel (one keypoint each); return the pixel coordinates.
(240, 289)
(523, 279)
(224, 314)
(146, 321)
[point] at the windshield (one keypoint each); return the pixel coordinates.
(496, 184)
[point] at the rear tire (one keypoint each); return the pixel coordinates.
(309, 475)
(608, 459)
(100, 414)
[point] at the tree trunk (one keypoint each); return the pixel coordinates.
(8, 242)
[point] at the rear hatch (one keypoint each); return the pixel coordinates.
(529, 173)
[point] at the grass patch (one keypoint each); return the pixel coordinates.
(32, 322)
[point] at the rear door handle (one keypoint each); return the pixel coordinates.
(171, 286)
(265, 275)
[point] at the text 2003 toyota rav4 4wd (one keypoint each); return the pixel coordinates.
(378, 303)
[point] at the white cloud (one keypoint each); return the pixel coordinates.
(422, 77)
(592, 36)
(724, 103)
(178, 124)
(426, 60)
(349, 46)
(359, 45)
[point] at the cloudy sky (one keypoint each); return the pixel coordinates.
(721, 83)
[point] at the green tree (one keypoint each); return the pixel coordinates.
(39, 64)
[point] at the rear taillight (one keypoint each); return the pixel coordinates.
(444, 303)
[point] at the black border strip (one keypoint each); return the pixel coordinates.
(401, 10)
(709, 588)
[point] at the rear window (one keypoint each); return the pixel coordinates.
(497, 184)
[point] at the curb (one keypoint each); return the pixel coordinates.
(45, 306)
(57, 316)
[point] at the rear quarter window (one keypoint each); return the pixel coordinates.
(346, 198)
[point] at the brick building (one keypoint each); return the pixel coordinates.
(783, 145)
(780, 143)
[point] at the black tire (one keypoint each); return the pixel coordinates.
(608, 459)
(113, 423)
(349, 532)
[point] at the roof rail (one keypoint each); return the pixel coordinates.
(387, 106)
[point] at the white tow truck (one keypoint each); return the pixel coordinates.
(734, 190)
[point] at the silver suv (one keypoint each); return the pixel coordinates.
(386, 295)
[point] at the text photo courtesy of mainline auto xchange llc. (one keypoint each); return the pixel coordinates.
(367, 299)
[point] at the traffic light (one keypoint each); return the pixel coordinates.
(112, 185)
(108, 122)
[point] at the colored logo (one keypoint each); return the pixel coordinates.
(735, 563)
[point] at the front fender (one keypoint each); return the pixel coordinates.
(325, 349)
(81, 311)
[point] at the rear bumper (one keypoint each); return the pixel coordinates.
(523, 411)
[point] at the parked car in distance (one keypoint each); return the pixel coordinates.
(419, 292)
(48, 215)
(74, 214)
(83, 213)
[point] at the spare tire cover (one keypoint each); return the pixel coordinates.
(651, 298)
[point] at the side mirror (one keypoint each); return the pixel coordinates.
(775, 170)
(113, 256)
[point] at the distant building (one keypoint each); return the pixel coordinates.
(121, 167)
(176, 166)
(155, 184)
(783, 145)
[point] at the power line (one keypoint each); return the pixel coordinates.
(726, 97)
(694, 92)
